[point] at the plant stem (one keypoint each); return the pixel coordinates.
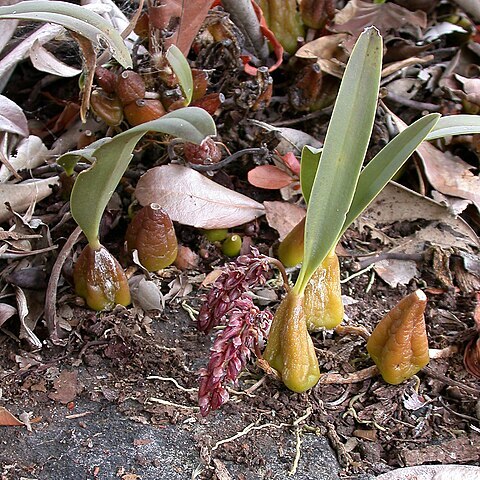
(243, 15)
(51, 293)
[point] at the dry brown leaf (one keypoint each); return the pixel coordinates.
(192, 199)
(327, 52)
(358, 15)
(433, 472)
(21, 195)
(12, 118)
(283, 216)
(9, 420)
(45, 61)
(181, 19)
(31, 153)
(446, 173)
(6, 311)
(66, 386)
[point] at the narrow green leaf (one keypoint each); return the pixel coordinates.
(74, 17)
(308, 169)
(182, 70)
(386, 164)
(345, 146)
(455, 125)
(94, 187)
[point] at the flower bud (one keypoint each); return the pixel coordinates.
(290, 349)
(100, 279)
(152, 234)
(399, 344)
(323, 296)
(130, 87)
(142, 111)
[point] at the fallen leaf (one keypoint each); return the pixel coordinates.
(440, 29)
(283, 216)
(180, 20)
(6, 311)
(192, 199)
(146, 294)
(9, 420)
(12, 118)
(21, 195)
(327, 52)
(22, 50)
(447, 173)
(290, 138)
(443, 229)
(7, 31)
(31, 153)
(384, 210)
(66, 386)
(45, 61)
(396, 272)
(269, 177)
(460, 449)
(357, 15)
(433, 472)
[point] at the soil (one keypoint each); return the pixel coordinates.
(117, 398)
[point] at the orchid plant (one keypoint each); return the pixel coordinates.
(336, 190)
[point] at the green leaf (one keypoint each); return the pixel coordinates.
(73, 17)
(343, 152)
(94, 187)
(455, 125)
(308, 169)
(386, 164)
(182, 70)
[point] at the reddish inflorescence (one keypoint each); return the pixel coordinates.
(238, 277)
(247, 327)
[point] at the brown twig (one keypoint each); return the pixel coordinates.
(449, 381)
(354, 377)
(51, 293)
(407, 102)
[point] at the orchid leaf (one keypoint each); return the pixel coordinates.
(343, 153)
(73, 17)
(455, 125)
(308, 169)
(94, 187)
(182, 70)
(383, 167)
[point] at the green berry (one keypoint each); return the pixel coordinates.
(232, 245)
(216, 235)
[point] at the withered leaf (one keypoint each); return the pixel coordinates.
(7, 419)
(192, 199)
(66, 386)
(358, 15)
